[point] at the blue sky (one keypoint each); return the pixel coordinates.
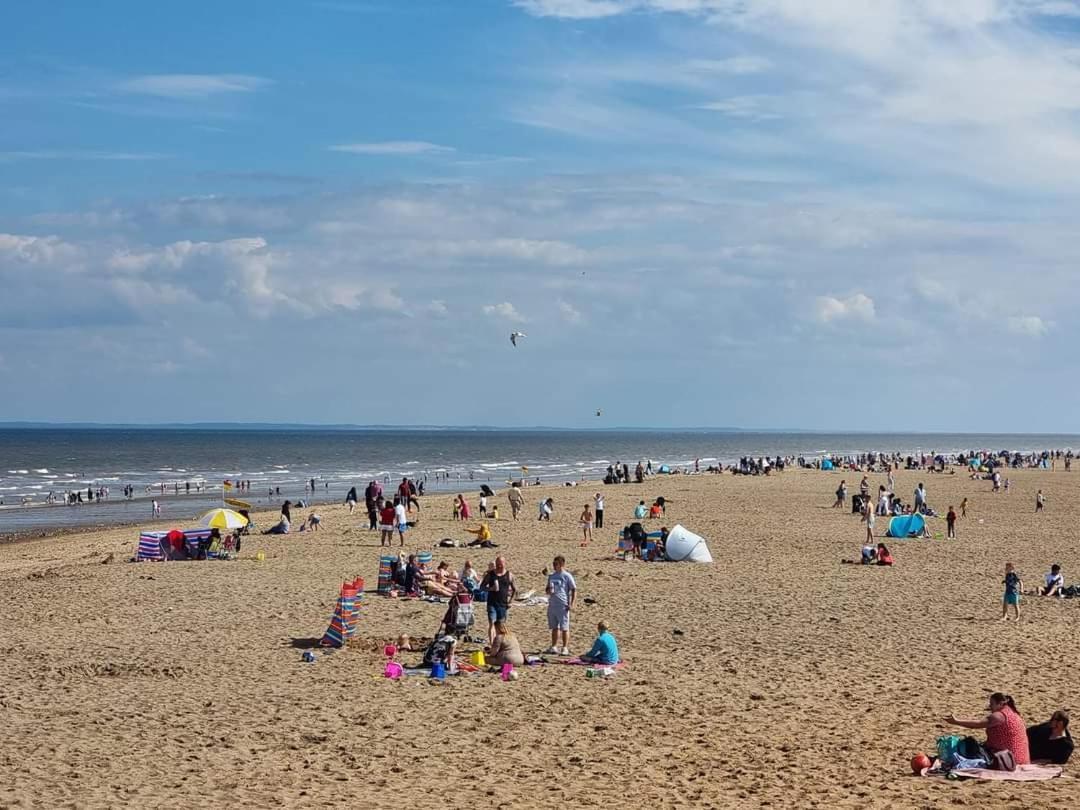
(758, 213)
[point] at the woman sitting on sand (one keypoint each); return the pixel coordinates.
(469, 577)
(505, 648)
(1005, 729)
(884, 557)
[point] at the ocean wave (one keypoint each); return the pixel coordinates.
(18, 472)
(42, 470)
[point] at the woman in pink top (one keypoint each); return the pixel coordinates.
(1005, 730)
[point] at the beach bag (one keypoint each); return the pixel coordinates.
(1002, 761)
(970, 748)
(948, 749)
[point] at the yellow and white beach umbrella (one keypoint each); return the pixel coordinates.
(223, 519)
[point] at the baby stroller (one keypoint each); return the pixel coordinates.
(459, 617)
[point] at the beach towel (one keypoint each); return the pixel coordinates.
(1023, 773)
(577, 662)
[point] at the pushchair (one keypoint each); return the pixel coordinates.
(459, 617)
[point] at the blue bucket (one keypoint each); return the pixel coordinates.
(438, 670)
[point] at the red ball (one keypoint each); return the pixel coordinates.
(919, 762)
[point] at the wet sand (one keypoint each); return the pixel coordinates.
(797, 681)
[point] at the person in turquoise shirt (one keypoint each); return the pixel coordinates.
(604, 650)
(641, 511)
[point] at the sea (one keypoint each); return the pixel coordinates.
(184, 468)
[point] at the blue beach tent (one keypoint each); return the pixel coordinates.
(907, 526)
(826, 464)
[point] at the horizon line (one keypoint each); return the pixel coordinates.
(344, 426)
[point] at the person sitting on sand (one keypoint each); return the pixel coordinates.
(1055, 582)
(604, 650)
(1051, 741)
(1004, 728)
(868, 553)
(469, 577)
(504, 648)
(655, 511)
(641, 511)
(411, 581)
(884, 557)
(482, 532)
(440, 582)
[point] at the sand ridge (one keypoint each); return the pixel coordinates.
(797, 681)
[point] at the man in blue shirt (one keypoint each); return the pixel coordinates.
(604, 650)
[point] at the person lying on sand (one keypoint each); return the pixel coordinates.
(1051, 741)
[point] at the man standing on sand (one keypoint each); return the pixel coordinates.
(516, 499)
(599, 500)
(562, 592)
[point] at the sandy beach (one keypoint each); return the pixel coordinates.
(796, 681)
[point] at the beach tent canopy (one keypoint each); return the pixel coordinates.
(663, 468)
(826, 464)
(685, 546)
(907, 526)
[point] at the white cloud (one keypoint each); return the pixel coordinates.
(569, 313)
(391, 148)
(575, 9)
(505, 311)
(858, 307)
(37, 249)
(1028, 325)
(184, 86)
(754, 107)
(437, 308)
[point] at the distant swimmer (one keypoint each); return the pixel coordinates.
(515, 335)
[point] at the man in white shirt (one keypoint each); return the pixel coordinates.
(599, 499)
(1054, 582)
(401, 519)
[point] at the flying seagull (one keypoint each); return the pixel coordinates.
(515, 335)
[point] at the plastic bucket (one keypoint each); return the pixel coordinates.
(438, 670)
(477, 659)
(393, 670)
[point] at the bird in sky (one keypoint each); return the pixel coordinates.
(515, 335)
(598, 412)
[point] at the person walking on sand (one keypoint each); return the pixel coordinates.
(517, 500)
(598, 499)
(1013, 587)
(1040, 501)
(950, 522)
(586, 525)
(401, 520)
(868, 518)
(963, 508)
(562, 593)
(155, 508)
(841, 495)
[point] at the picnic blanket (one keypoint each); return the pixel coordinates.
(1023, 773)
(577, 662)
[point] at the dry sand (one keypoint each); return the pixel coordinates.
(798, 682)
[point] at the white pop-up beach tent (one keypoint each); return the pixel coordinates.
(685, 546)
